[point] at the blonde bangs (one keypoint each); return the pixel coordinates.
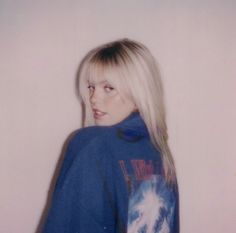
(114, 74)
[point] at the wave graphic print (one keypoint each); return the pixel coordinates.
(150, 207)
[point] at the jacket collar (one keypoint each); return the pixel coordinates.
(132, 128)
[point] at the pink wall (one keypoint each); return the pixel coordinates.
(42, 43)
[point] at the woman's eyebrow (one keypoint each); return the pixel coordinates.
(100, 82)
(104, 81)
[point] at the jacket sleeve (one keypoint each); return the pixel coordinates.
(83, 195)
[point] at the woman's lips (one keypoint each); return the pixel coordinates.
(98, 114)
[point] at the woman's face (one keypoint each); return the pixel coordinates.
(107, 104)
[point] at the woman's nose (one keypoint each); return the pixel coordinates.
(95, 96)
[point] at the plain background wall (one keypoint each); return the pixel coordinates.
(41, 45)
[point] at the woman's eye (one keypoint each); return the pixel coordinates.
(109, 89)
(91, 88)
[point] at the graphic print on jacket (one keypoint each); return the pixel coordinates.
(151, 201)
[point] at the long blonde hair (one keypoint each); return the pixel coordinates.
(136, 76)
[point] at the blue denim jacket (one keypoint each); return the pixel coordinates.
(112, 181)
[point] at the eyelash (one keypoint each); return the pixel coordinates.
(89, 87)
(109, 88)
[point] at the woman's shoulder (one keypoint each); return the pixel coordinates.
(89, 137)
(90, 133)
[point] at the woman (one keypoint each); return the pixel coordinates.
(118, 174)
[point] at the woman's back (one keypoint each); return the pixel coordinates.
(112, 180)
